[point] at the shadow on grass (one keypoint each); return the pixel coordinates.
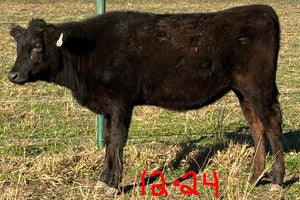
(291, 140)
(197, 164)
(291, 143)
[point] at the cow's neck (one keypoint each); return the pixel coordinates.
(77, 71)
(73, 67)
(71, 74)
(88, 92)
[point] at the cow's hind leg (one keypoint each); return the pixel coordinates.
(257, 132)
(265, 115)
(272, 122)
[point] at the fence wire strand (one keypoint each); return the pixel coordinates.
(131, 138)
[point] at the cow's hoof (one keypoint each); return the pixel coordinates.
(268, 176)
(275, 187)
(255, 178)
(110, 191)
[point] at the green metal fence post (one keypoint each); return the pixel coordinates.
(100, 9)
(100, 6)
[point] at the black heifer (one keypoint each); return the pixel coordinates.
(116, 61)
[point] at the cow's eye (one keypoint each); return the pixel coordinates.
(36, 52)
(37, 48)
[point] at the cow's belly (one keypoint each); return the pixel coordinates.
(181, 92)
(184, 77)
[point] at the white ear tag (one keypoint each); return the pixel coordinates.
(60, 41)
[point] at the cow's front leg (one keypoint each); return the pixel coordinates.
(106, 172)
(116, 130)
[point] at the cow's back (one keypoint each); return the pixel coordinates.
(186, 61)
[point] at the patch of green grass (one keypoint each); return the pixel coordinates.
(292, 161)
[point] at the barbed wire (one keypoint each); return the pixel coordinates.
(80, 137)
(72, 100)
(26, 22)
(37, 100)
(130, 138)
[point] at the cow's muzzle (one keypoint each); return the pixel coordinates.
(16, 77)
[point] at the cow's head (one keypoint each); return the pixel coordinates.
(39, 51)
(36, 52)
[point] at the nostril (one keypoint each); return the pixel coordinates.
(13, 76)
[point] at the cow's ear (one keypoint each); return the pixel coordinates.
(76, 45)
(50, 32)
(38, 25)
(16, 31)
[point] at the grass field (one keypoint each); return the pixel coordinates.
(48, 145)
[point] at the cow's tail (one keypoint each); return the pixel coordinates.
(276, 33)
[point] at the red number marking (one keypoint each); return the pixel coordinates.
(143, 182)
(213, 184)
(185, 189)
(162, 186)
